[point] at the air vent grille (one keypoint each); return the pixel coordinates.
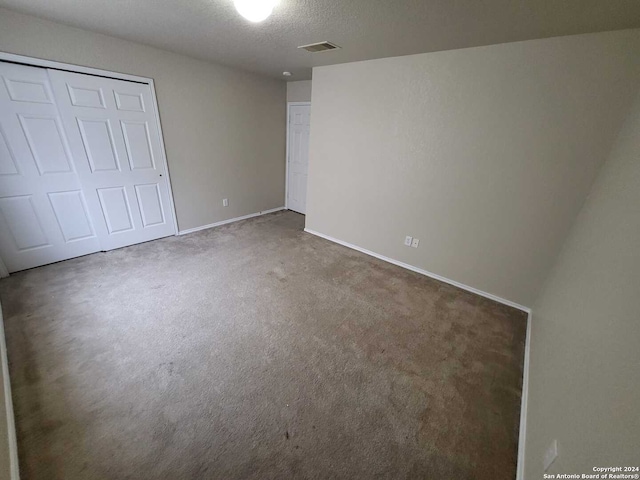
(319, 47)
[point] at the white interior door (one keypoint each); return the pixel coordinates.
(114, 137)
(43, 210)
(298, 157)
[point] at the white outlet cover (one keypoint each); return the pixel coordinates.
(550, 455)
(225, 202)
(415, 242)
(408, 240)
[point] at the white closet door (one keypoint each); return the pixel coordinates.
(299, 120)
(113, 135)
(44, 216)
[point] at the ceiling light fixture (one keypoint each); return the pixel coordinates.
(286, 74)
(255, 10)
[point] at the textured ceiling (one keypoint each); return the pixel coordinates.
(365, 29)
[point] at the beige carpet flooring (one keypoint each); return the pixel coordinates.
(257, 351)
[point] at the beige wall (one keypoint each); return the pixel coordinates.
(585, 358)
(224, 130)
(299, 91)
(484, 154)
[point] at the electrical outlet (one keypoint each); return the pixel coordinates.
(415, 242)
(550, 455)
(225, 202)
(408, 240)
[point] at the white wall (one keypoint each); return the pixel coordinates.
(484, 154)
(585, 358)
(224, 129)
(299, 91)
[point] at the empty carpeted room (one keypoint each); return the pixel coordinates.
(311, 239)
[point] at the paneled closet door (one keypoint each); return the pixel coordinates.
(113, 135)
(44, 215)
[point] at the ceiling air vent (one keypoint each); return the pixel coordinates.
(319, 47)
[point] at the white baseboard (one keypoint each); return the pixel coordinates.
(527, 350)
(231, 220)
(8, 402)
(524, 402)
(421, 271)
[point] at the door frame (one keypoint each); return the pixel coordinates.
(286, 174)
(39, 62)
